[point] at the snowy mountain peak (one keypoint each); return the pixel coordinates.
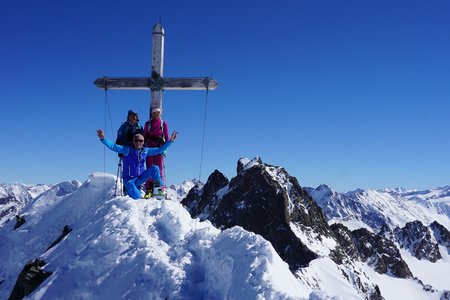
(244, 164)
(323, 191)
(419, 240)
(273, 242)
(119, 247)
(396, 191)
(14, 197)
(392, 207)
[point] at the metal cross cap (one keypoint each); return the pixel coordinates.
(156, 83)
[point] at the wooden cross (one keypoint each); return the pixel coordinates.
(156, 83)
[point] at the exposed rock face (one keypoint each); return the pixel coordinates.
(29, 279)
(378, 251)
(65, 232)
(381, 253)
(20, 220)
(347, 249)
(263, 199)
(419, 240)
(198, 198)
(441, 234)
(266, 200)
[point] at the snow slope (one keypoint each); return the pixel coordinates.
(150, 249)
(121, 248)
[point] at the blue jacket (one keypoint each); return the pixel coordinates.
(126, 133)
(134, 159)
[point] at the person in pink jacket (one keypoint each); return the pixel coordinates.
(155, 135)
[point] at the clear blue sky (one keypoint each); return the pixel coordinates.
(354, 94)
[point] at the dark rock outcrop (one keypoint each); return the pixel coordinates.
(29, 279)
(346, 251)
(381, 253)
(20, 220)
(417, 238)
(377, 249)
(198, 198)
(441, 234)
(66, 231)
(262, 199)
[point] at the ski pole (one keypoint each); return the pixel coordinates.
(119, 165)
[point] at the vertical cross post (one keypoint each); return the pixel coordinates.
(157, 65)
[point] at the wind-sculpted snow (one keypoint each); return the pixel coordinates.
(146, 249)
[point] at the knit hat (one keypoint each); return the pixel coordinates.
(132, 112)
(156, 109)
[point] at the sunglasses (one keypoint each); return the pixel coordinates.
(139, 141)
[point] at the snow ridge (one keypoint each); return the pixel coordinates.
(131, 249)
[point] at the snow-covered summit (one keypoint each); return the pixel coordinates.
(148, 249)
(93, 245)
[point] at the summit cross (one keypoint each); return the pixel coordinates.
(156, 83)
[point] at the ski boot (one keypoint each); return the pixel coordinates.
(143, 191)
(160, 194)
(149, 190)
(148, 194)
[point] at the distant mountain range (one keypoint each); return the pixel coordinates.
(391, 207)
(374, 244)
(14, 197)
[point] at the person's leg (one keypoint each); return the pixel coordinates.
(152, 172)
(159, 161)
(149, 162)
(133, 190)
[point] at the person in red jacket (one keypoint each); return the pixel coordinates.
(155, 135)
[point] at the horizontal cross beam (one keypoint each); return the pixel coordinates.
(149, 83)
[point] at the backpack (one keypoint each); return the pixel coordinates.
(126, 138)
(155, 140)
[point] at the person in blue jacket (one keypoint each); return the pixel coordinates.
(128, 129)
(134, 173)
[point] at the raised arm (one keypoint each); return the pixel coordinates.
(156, 151)
(114, 147)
